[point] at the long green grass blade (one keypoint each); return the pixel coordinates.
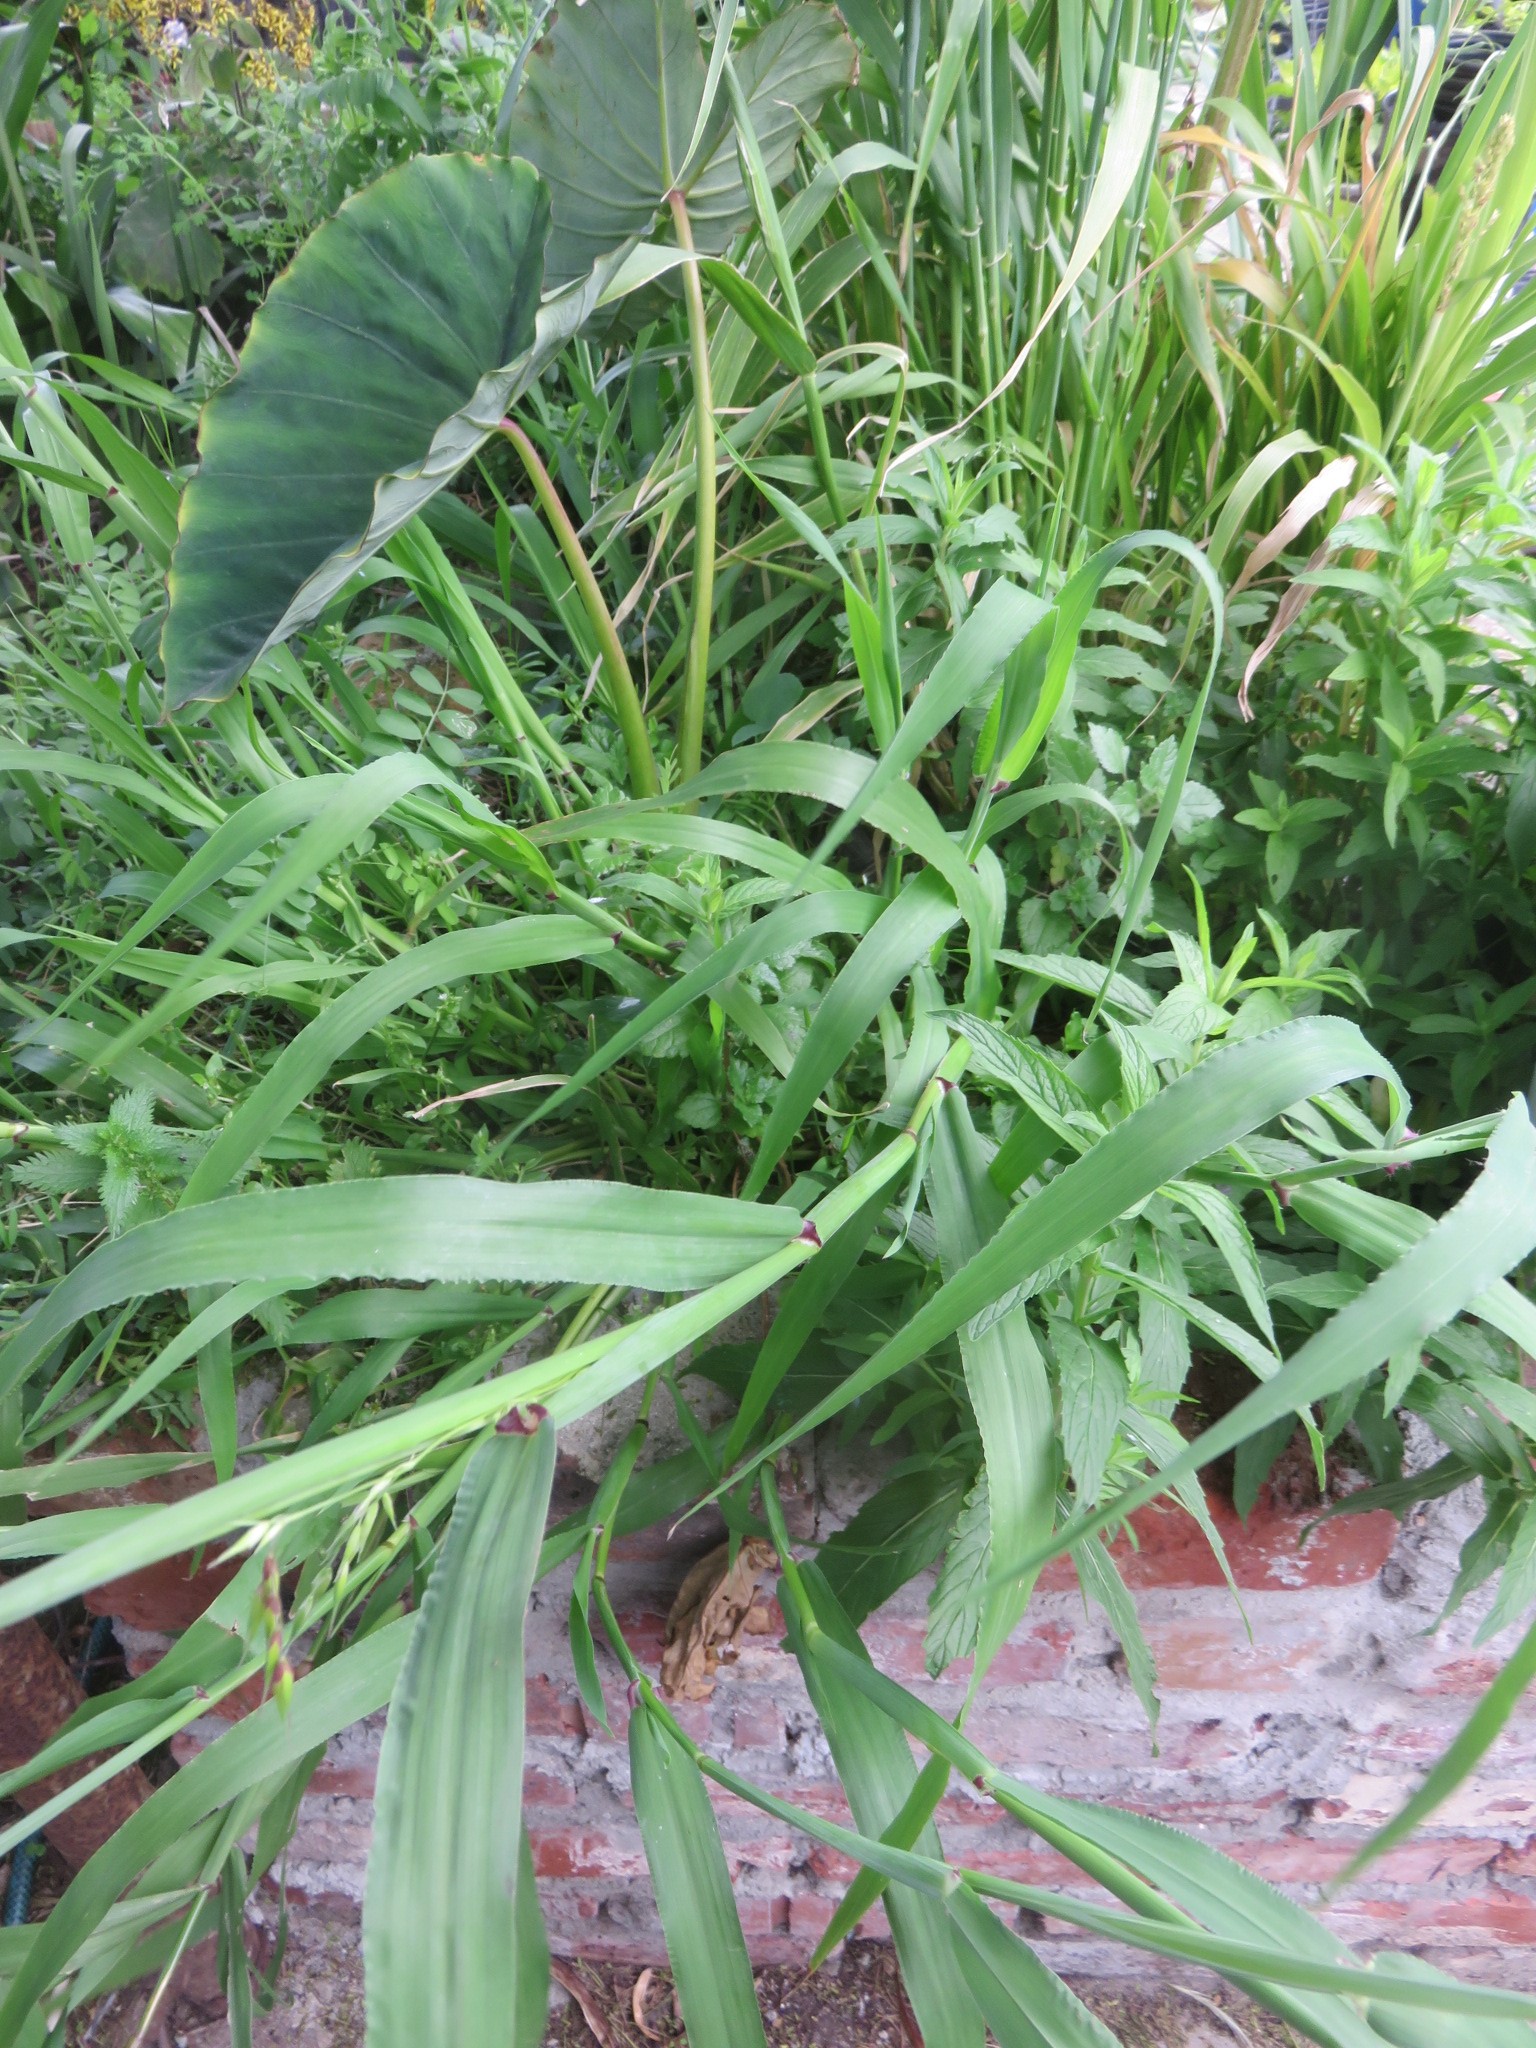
(1004, 1373)
(1027, 2005)
(416, 1227)
(693, 1890)
(1477, 1736)
(446, 1934)
(878, 1774)
(352, 1685)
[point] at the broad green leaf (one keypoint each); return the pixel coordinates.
(1099, 1577)
(1005, 1376)
(693, 1890)
(1046, 1089)
(167, 798)
(569, 1383)
(123, 1724)
(611, 100)
(897, 1533)
(800, 1309)
(875, 1766)
(1271, 1974)
(211, 1322)
(25, 46)
(161, 246)
(842, 778)
(1236, 1091)
(963, 672)
(1221, 1220)
(415, 1227)
(928, 1788)
(48, 1482)
(1406, 2028)
(960, 1592)
(530, 2013)
(443, 1912)
(383, 356)
(379, 1314)
(129, 1917)
(765, 320)
(1093, 1392)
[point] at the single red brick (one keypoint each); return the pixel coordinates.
(645, 1630)
(550, 1711)
(1021, 1864)
(763, 1852)
(543, 1788)
(895, 1641)
(574, 1852)
(1031, 1655)
(1215, 1655)
(167, 1597)
(695, 1718)
(245, 1699)
(344, 1781)
(830, 1865)
(1429, 1858)
(810, 1915)
(1460, 1675)
(898, 1644)
(957, 1809)
(1488, 1915)
(1276, 1550)
(758, 1728)
(761, 1918)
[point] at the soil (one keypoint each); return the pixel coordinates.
(854, 2002)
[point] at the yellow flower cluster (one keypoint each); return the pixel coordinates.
(165, 27)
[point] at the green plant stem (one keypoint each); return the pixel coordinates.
(628, 709)
(24, 219)
(1246, 18)
(690, 728)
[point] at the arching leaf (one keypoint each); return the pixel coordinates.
(382, 358)
(613, 113)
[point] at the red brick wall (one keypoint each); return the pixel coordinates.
(1289, 1729)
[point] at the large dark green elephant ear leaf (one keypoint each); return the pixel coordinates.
(787, 71)
(382, 358)
(608, 108)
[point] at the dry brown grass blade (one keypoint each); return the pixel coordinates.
(637, 2004)
(570, 1981)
